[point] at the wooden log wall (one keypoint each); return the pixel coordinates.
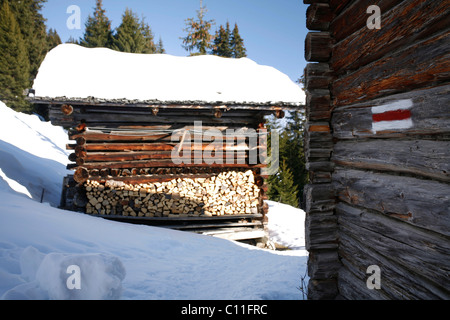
(123, 158)
(321, 221)
(389, 92)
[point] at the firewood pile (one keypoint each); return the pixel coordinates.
(227, 193)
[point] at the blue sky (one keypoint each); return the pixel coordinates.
(273, 31)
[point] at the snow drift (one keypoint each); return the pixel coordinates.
(33, 158)
(73, 71)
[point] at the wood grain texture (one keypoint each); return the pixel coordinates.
(425, 158)
(430, 115)
(318, 46)
(422, 203)
(422, 18)
(422, 64)
(402, 252)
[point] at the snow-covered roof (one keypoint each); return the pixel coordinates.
(72, 71)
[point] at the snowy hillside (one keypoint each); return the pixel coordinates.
(120, 261)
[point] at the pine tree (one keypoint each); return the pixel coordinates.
(286, 188)
(160, 47)
(53, 39)
(149, 44)
(34, 32)
(129, 36)
(294, 148)
(14, 61)
(221, 41)
(72, 40)
(198, 37)
(291, 153)
(98, 29)
(238, 49)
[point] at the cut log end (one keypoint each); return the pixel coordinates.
(67, 109)
(81, 175)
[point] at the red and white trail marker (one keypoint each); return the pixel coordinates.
(392, 116)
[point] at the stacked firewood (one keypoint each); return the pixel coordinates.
(228, 193)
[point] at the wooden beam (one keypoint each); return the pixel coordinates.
(430, 115)
(318, 16)
(366, 45)
(318, 103)
(161, 163)
(421, 203)
(352, 15)
(402, 251)
(317, 76)
(424, 158)
(318, 46)
(423, 64)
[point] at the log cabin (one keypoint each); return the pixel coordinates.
(171, 141)
(378, 149)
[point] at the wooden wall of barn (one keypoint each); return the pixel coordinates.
(378, 112)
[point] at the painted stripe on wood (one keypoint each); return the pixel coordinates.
(394, 115)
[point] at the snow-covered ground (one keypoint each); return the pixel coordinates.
(38, 242)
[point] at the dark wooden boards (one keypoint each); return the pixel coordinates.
(377, 145)
(423, 158)
(419, 202)
(364, 46)
(116, 115)
(393, 73)
(430, 115)
(403, 252)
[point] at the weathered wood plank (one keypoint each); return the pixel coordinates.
(161, 105)
(321, 231)
(422, 203)
(323, 264)
(430, 114)
(320, 198)
(401, 251)
(423, 64)
(167, 146)
(317, 76)
(138, 155)
(168, 163)
(319, 177)
(354, 16)
(425, 158)
(318, 104)
(353, 287)
(105, 118)
(318, 16)
(338, 5)
(318, 46)
(397, 282)
(364, 46)
(122, 136)
(110, 135)
(320, 289)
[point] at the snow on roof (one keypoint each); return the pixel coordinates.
(73, 71)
